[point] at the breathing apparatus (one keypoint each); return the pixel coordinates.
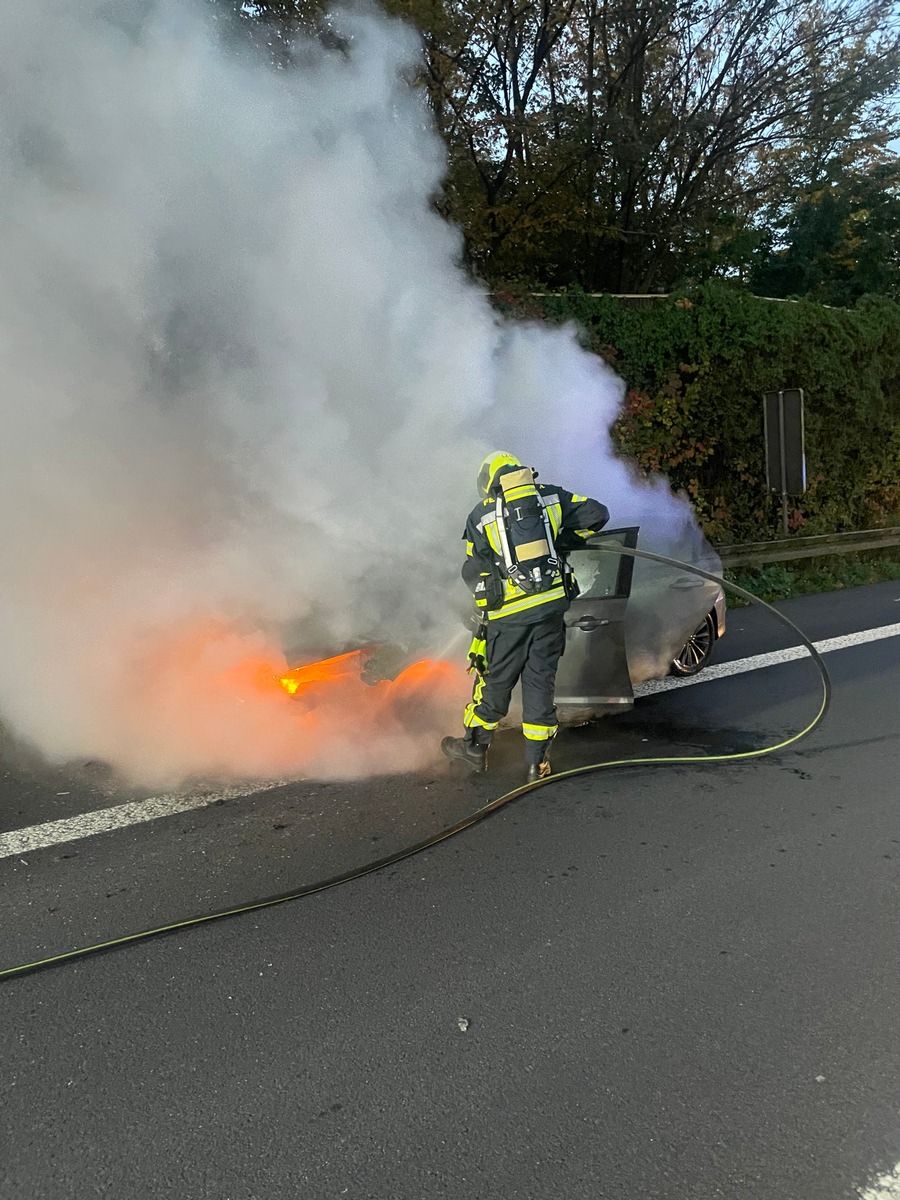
(526, 536)
(530, 559)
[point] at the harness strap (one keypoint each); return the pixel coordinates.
(548, 529)
(509, 562)
(504, 540)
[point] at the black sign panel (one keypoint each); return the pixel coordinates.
(785, 449)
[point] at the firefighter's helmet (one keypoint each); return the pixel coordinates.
(489, 469)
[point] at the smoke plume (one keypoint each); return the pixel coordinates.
(246, 388)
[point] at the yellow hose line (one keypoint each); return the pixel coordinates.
(479, 814)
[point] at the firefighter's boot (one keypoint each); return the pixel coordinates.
(471, 750)
(537, 760)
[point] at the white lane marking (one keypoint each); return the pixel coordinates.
(885, 1187)
(71, 829)
(758, 661)
(52, 833)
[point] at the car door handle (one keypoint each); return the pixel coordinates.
(588, 624)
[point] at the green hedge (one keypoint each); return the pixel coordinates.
(697, 367)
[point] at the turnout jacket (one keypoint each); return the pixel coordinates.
(572, 519)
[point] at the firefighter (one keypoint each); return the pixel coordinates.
(521, 632)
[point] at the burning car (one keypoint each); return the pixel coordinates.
(631, 622)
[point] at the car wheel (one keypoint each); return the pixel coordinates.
(697, 650)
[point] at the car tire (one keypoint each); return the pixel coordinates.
(697, 650)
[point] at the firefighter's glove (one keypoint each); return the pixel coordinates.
(477, 652)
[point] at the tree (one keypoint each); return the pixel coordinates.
(632, 145)
(657, 130)
(842, 241)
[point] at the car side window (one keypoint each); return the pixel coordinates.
(597, 572)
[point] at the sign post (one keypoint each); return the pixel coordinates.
(785, 446)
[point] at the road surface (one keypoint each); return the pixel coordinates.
(680, 982)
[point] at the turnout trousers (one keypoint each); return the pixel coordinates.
(518, 651)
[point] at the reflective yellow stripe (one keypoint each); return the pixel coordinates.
(517, 493)
(515, 606)
(579, 499)
(470, 549)
(512, 592)
(540, 733)
(471, 719)
(492, 537)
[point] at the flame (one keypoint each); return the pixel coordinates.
(213, 701)
(327, 670)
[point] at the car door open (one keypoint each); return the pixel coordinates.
(593, 676)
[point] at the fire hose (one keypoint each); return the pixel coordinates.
(487, 809)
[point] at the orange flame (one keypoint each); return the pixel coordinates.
(215, 701)
(327, 670)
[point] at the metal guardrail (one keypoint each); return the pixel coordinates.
(648, 299)
(755, 554)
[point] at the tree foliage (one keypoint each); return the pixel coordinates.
(627, 146)
(842, 241)
(632, 146)
(697, 367)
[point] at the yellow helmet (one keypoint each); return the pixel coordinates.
(487, 472)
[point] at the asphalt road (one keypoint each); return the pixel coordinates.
(657, 982)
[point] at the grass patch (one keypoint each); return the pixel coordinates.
(780, 581)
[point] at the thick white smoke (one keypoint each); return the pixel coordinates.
(246, 384)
